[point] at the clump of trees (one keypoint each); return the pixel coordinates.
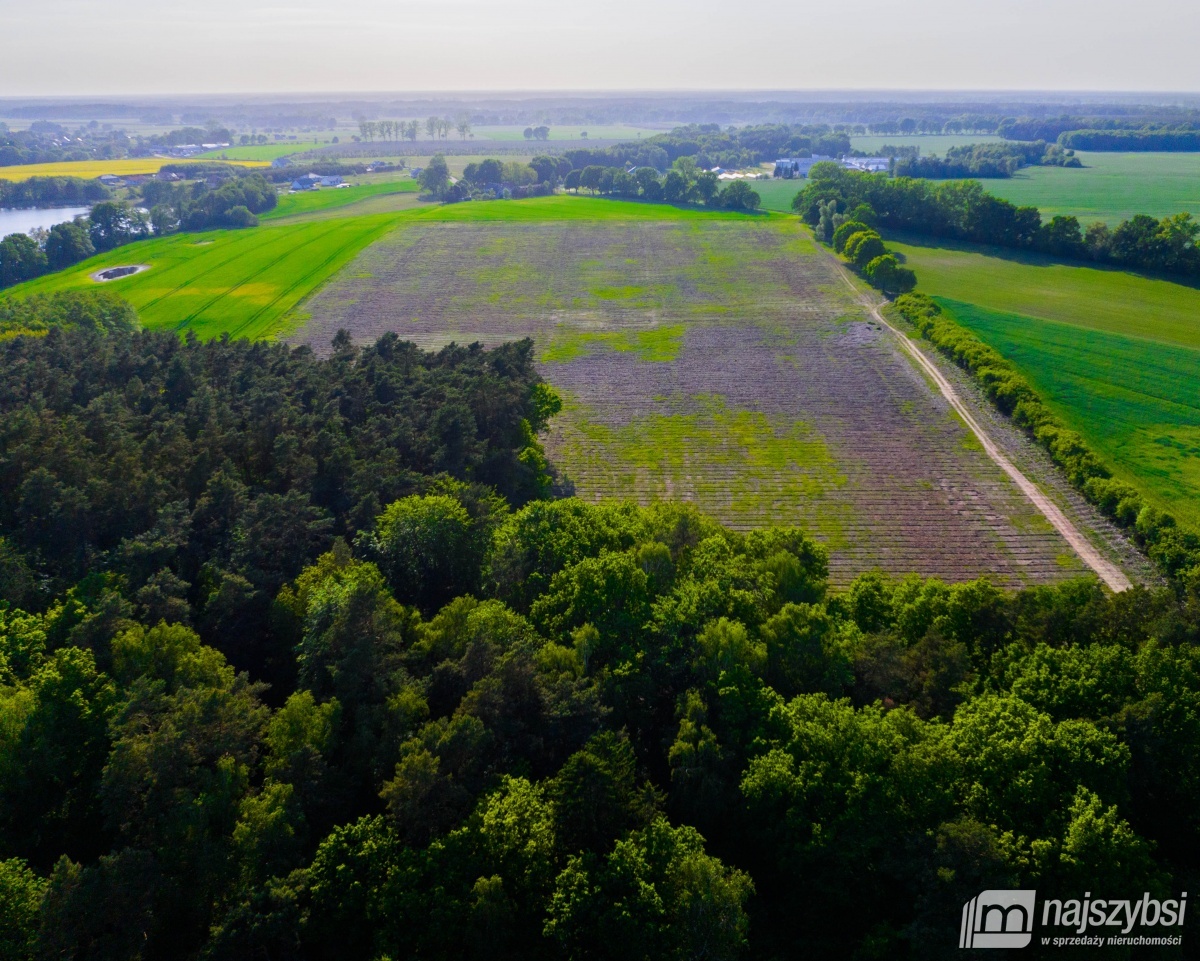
(852, 236)
(197, 206)
(994, 160)
(537, 133)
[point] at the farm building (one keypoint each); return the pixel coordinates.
(789, 167)
(313, 181)
(281, 162)
(871, 165)
(111, 180)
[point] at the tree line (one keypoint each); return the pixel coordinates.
(682, 183)
(708, 145)
(1132, 140)
(505, 726)
(51, 192)
(396, 130)
(963, 210)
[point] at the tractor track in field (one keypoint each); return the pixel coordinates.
(1113, 577)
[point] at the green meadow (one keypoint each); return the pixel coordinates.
(1103, 299)
(778, 194)
(1110, 186)
(1133, 400)
(237, 282)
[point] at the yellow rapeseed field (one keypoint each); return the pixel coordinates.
(95, 168)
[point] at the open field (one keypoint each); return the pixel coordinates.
(240, 282)
(1134, 401)
(707, 356)
(1098, 298)
(335, 198)
(95, 168)
(1111, 186)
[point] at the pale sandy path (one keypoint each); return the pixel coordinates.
(1108, 572)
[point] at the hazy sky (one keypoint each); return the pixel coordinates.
(134, 46)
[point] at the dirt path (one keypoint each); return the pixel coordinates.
(1108, 572)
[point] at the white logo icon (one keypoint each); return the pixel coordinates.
(998, 919)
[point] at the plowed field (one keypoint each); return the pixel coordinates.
(713, 358)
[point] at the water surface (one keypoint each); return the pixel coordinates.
(25, 220)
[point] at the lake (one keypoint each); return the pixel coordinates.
(23, 221)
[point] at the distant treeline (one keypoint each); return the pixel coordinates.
(990, 160)
(52, 192)
(1093, 133)
(711, 146)
(963, 210)
(1132, 140)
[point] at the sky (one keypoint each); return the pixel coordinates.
(94, 47)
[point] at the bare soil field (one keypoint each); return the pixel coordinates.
(714, 359)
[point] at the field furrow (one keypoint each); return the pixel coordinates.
(718, 360)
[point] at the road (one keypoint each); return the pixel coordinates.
(1108, 572)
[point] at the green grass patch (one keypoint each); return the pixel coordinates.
(658, 346)
(1132, 400)
(1100, 299)
(240, 282)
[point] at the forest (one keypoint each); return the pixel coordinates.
(302, 657)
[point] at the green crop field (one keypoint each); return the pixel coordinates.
(710, 356)
(1110, 187)
(1102, 299)
(778, 194)
(1134, 401)
(241, 282)
(332, 198)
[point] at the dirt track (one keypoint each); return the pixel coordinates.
(1112, 576)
